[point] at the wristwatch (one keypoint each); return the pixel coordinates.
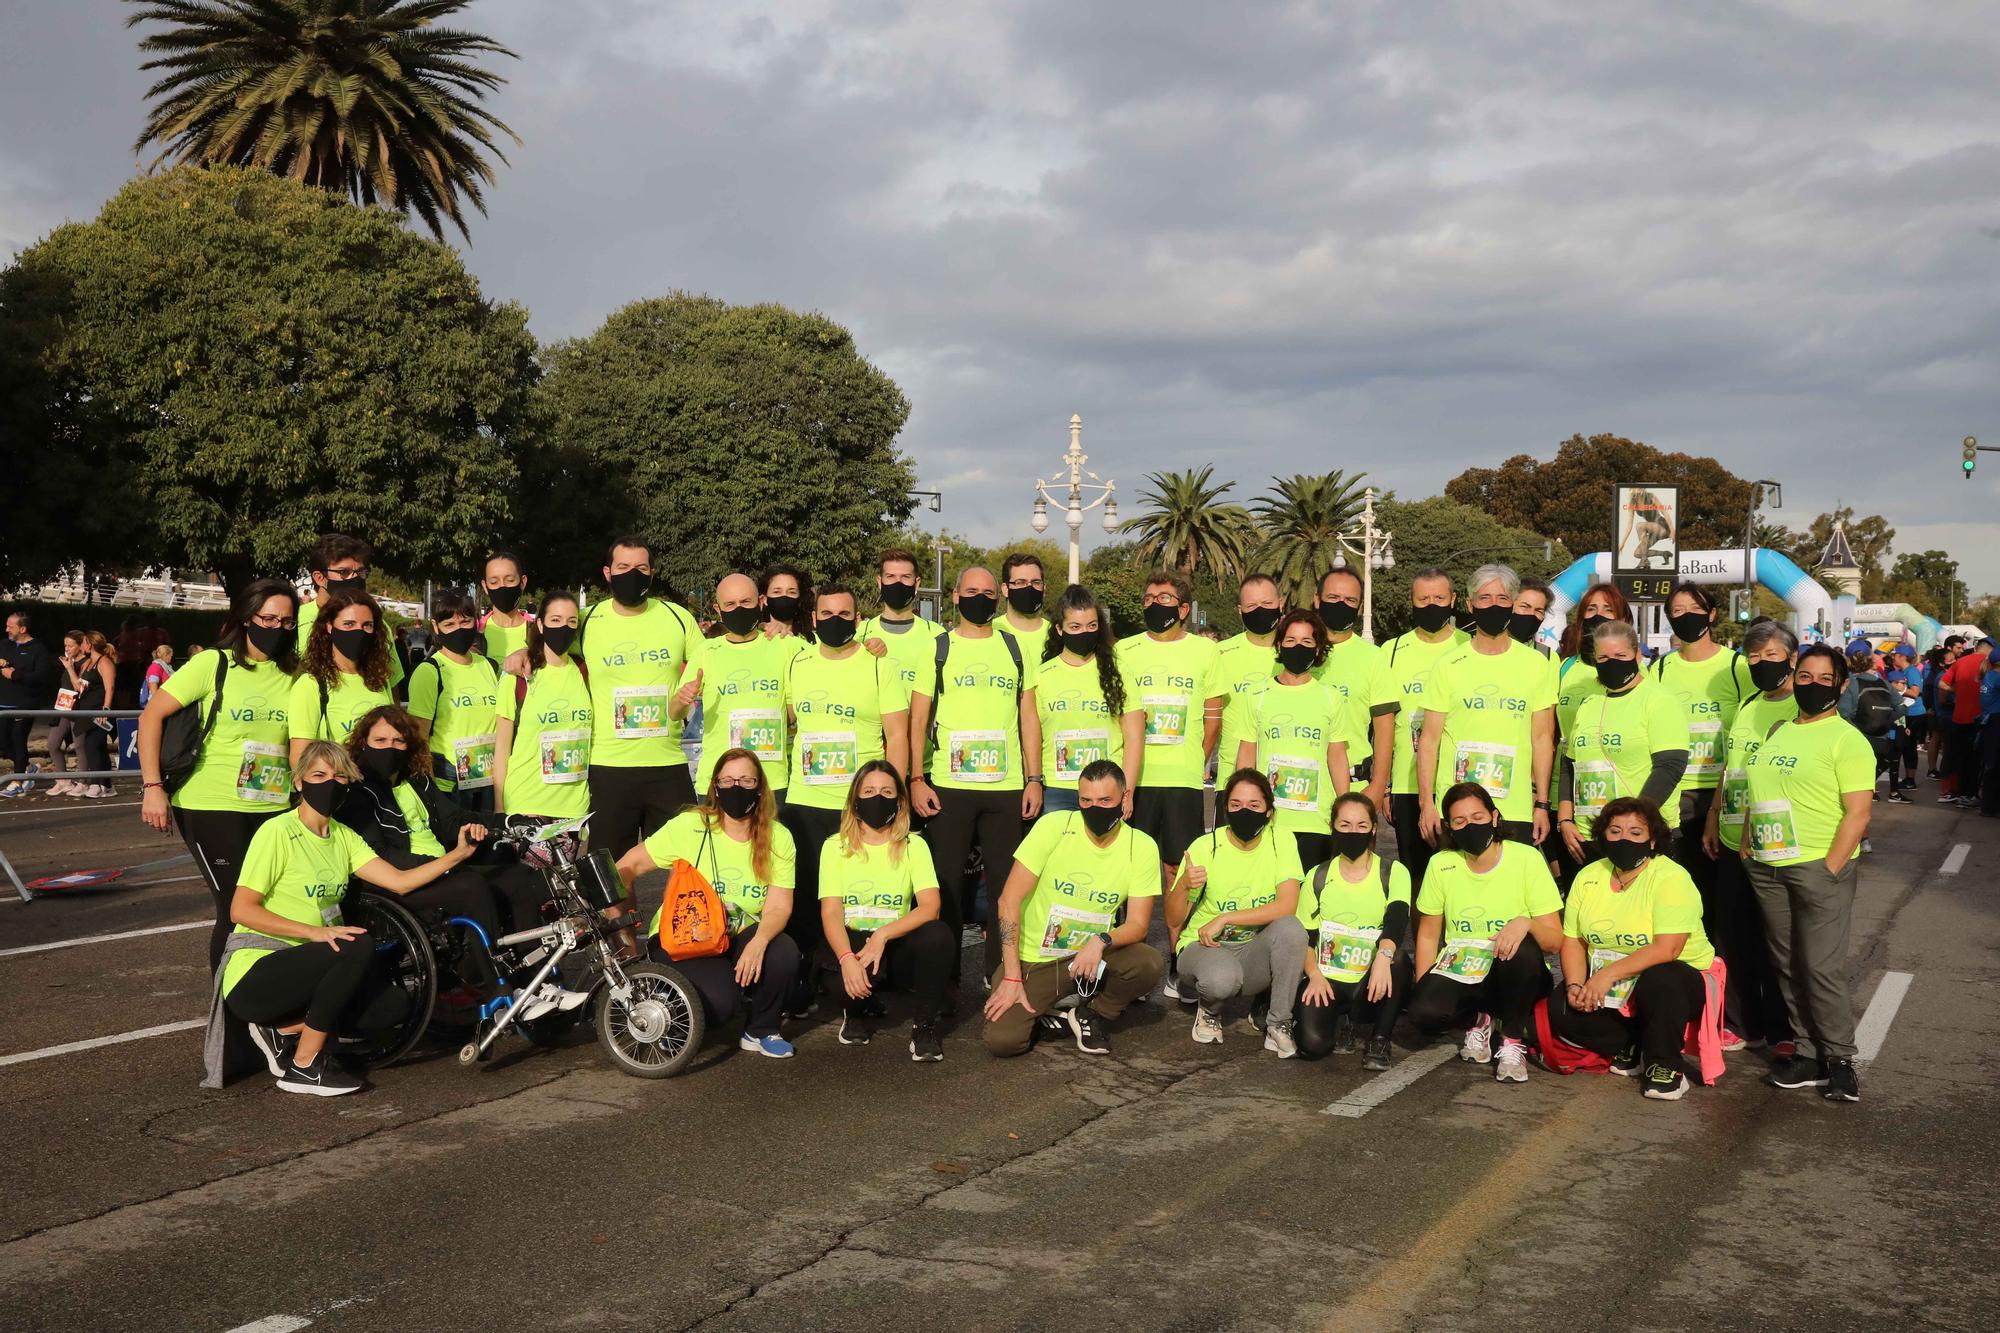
(1035, 778)
(1541, 805)
(1105, 935)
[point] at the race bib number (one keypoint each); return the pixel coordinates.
(1070, 928)
(265, 775)
(329, 915)
(1237, 934)
(565, 756)
(1704, 749)
(1166, 718)
(1620, 993)
(472, 761)
(758, 730)
(639, 711)
(977, 756)
(1773, 835)
(1076, 750)
(868, 916)
(65, 700)
(1488, 764)
(1596, 785)
(1294, 782)
(1735, 792)
(1465, 960)
(827, 758)
(1345, 952)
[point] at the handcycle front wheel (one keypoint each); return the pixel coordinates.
(656, 1029)
(403, 952)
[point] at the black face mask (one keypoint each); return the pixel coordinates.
(1523, 626)
(1101, 819)
(834, 631)
(1297, 658)
(267, 639)
(781, 609)
(1613, 674)
(503, 599)
(558, 638)
(1354, 843)
(896, 596)
(1337, 616)
(1083, 645)
(1689, 625)
(353, 583)
(737, 802)
(1769, 676)
(1473, 839)
(877, 812)
(977, 608)
(741, 619)
(324, 796)
(1262, 619)
(459, 640)
(1493, 619)
(384, 763)
(1626, 854)
(1430, 619)
(353, 644)
(1025, 600)
(1815, 698)
(629, 588)
(1160, 619)
(1246, 824)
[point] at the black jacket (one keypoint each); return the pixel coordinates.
(371, 811)
(33, 684)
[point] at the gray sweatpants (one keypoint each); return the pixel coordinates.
(1806, 918)
(1228, 970)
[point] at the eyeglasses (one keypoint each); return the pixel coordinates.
(348, 572)
(741, 783)
(275, 622)
(1163, 599)
(1036, 584)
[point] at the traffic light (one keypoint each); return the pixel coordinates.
(1971, 456)
(1740, 605)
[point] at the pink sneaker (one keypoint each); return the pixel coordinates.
(1732, 1042)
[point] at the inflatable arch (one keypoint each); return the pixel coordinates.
(1923, 630)
(1812, 606)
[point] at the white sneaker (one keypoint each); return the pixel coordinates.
(1171, 987)
(54, 788)
(1511, 1065)
(1478, 1047)
(97, 792)
(1278, 1038)
(1207, 1027)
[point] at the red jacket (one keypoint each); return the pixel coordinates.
(1962, 679)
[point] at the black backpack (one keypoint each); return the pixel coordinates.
(183, 736)
(1877, 709)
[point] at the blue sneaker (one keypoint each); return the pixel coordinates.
(774, 1046)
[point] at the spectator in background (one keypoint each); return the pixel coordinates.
(1906, 678)
(1958, 699)
(1876, 711)
(134, 652)
(27, 681)
(157, 672)
(1935, 661)
(1989, 732)
(90, 663)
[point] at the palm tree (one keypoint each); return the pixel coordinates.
(367, 98)
(1302, 522)
(1186, 527)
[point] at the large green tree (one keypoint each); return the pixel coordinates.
(226, 364)
(1302, 519)
(1458, 539)
(1927, 580)
(1570, 497)
(730, 437)
(1187, 525)
(1869, 537)
(371, 99)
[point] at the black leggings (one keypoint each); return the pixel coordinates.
(1915, 731)
(1508, 993)
(1411, 848)
(810, 827)
(218, 840)
(1314, 1024)
(330, 991)
(14, 739)
(992, 819)
(1665, 999)
(93, 747)
(722, 999)
(919, 962)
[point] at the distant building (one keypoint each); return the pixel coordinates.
(1837, 569)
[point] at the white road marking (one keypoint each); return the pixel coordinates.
(1889, 993)
(1384, 1086)
(274, 1323)
(1955, 862)
(71, 1047)
(100, 939)
(57, 809)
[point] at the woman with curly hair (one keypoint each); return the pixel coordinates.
(1086, 710)
(346, 671)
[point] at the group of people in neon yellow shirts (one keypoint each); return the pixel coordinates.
(1073, 763)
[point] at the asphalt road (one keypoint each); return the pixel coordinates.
(1167, 1186)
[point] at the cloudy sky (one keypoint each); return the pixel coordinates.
(1403, 239)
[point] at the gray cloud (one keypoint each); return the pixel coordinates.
(1406, 239)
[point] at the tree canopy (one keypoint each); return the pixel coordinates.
(226, 364)
(1186, 525)
(1302, 519)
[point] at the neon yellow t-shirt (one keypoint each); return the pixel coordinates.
(1080, 886)
(913, 650)
(635, 665)
(729, 864)
(1754, 721)
(502, 641)
(461, 704)
(1174, 680)
(1489, 704)
(423, 838)
(1611, 924)
(1406, 665)
(1345, 920)
(1032, 640)
(1239, 880)
(246, 763)
(309, 616)
(548, 762)
(349, 698)
(743, 703)
(875, 888)
(1710, 692)
(1796, 780)
(1077, 726)
(1576, 680)
(300, 876)
(1478, 906)
(1349, 671)
(1240, 666)
(1292, 725)
(1613, 745)
(977, 746)
(837, 709)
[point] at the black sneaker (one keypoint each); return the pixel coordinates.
(1897, 798)
(1377, 1056)
(1801, 1071)
(1088, 1028)
(321, 1078)
(872, 1007)
(1626, 1062)
(277, 1047)
(1664, 1084)
(1343, 1035)
(1051, 1025)
(925, 1048)
(1842, 1084)
(854, 1029)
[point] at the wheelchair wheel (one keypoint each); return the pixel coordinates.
(403, 952)
(655, 1031)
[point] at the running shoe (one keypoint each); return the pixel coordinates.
(1626, 1062)
(1207, 1027)
(1842, 1083)
(771, 1044)
(1478, 1047)
(1801, 1071)
(277, 1047)
(1343, 1035)
(1732, 1042)
(1781, 1051)
(1664, 1084)
(854, 1030)
(97, 792)
(1171, 987)
(1511, 1064)
(1377, 1056)
(925, 1047)
(13, 789)
(1088, 1028)
(1278, 1039)
(1897, 798)
(321, 1078)
(1945, 798)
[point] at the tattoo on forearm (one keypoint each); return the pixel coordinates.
(1010, 937)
